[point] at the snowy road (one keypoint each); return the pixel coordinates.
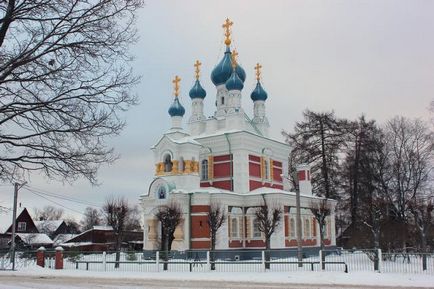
(34, 282)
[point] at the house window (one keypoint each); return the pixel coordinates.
(292, 229)
(234, 228)
(307, 228)
(256, 231)
(223, 100)
(22, 226)
(204, 171)
(168, 163)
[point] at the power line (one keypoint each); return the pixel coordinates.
(59, 204)
(67, 198)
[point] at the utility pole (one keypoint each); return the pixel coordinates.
(17, 186)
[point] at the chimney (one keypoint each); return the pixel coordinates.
(303, 175)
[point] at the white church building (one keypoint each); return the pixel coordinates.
(228, 159)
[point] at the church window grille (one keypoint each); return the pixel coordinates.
(204, 170)
(168, 163)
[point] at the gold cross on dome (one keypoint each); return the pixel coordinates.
(234, 59)
(226, 26)
(176, 84)
(258, 71)
(197, 66)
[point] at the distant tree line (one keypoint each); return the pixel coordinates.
(381, 175)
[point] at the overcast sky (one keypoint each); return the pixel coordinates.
(353, 57)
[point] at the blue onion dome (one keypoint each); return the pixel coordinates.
(258, 93)
(176, 109)
(221, 73)
(241, 73)
(197, 91)
(234, 82)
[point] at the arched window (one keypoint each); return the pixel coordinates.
(307, 228)
(234, 227)
(168, 163)
(204, 170)
(256, 232)
(292, 228)
(266, 169)
(181, 166)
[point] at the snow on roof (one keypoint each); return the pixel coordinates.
(48, 226)
(256, 192)
(102, 228)
(62, 238)
(75, 244)
(35, 238)
(6, 218)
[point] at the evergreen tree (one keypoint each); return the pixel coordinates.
(318, 140)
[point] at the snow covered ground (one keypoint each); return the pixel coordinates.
(314, 278)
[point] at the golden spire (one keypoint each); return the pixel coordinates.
(197, 70)
(226, 26)
(176, 85)
(258, 71)
(234, 59)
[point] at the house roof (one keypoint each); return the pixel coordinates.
(35, 238)
(62, 238)
(48, 226)
(6, 218)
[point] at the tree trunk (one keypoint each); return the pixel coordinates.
(424, 252)
(212, 253)
(267, 252)
(166, 253)
(118, 251)
(322, 246)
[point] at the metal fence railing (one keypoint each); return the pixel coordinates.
(231, 261)
(23, 259)
(408, 263)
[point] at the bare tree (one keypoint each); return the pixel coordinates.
(64, 80)
(73, 225)
(170, 216)
(409, 151)
(423, 214)
(92, 217)
(116, 212)
(48, 213)
(216, 218)
(321, 209)
(134, 220)
(267, 220)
